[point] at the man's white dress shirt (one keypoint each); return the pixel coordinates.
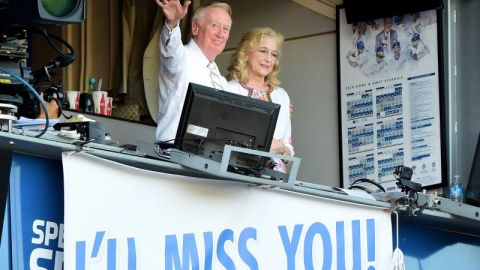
(179, 65)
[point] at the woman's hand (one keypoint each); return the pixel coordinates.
(278, 147)
(173, 11)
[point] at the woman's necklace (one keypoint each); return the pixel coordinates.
(258, 94)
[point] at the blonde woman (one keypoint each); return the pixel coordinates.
(253, 72)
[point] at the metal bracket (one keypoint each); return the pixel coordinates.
(446, 205)
(7, 112)
(416, 202)
(220, 169)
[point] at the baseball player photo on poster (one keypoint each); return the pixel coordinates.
(390, 94)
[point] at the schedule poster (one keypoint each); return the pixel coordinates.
(389, 95)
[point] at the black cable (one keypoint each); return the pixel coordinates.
(202, 140)
(60, 110)
(361, 188)
(65, 58)
(365, 180)
(49, 95)
(200, 144)
(420, 210)
(66, 116)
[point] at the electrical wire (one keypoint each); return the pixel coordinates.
(36, 95)
(202, 140)
(365, 180)
(66, 58)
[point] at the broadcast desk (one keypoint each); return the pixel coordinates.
(432, 240)
(52, 147)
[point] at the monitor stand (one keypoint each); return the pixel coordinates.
(225, 168)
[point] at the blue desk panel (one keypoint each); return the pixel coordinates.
(5, 254)
(427, 248)
(36, 214)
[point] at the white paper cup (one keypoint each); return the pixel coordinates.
(74, 100)
(99, 102)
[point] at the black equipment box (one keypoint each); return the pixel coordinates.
(87, 130)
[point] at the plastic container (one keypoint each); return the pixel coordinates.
(456, 190)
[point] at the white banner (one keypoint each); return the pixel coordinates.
(120, 217)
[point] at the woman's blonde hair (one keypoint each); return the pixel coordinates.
(250, 42)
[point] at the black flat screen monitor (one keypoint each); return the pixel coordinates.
(212, 119)
(472, 193)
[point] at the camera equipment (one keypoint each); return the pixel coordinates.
(13, 58)
(17, 96)
(13, 108)
(44, 11)
(88, 130)
(403, 175)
